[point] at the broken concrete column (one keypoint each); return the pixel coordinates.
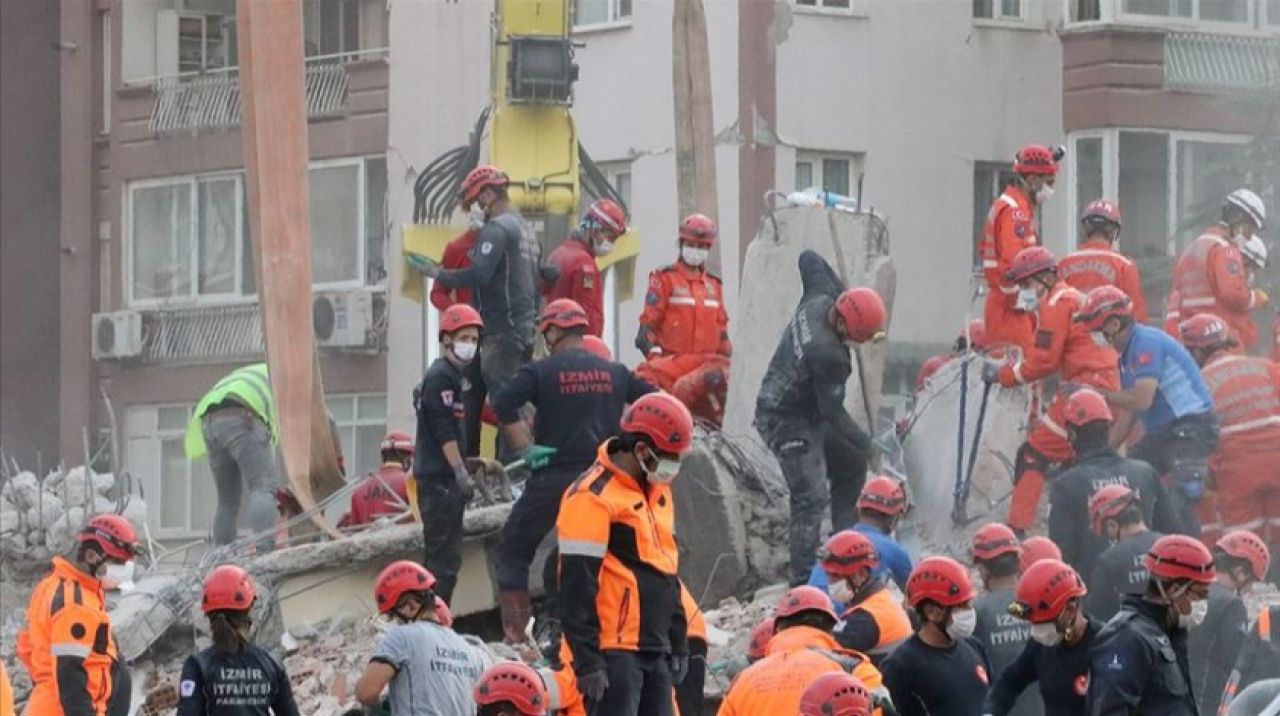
(709, 527)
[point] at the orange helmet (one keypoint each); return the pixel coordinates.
(562, 313)
(758, 645)
(227, 587)
(1029, 262)
(1243, 544)
(444, 615)
(1085, 406)
(864, 314)
(1099, 214)
(606, 214)
(597, 346)
(836, 694)
(1203, 330)
(698, 229)
(1108, 502)
(1044, 589)
(113, 534)
(397, 579)
(805, 599)
(1102, 303)
(848, 552)
(397, 441)
(459, 316)
(1036, 549)
(663, 419)
(479, 178)
(994, 539)
(939, 579)
(515, 683)
(883, 494)
(1180, 557)
(1036, 159)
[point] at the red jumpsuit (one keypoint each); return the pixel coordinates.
(455, 257)
(1010, 228)
(376, 495)
(1246, 465)
(1096, 264)
(1060, 346)
(1210, 277)
(685, 322)
(579, 279)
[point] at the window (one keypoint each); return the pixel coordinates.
(105, 23)
(588, 13)
(825, 4)
(989, 180)
(1206, 172)
(1144, 192)
(180, 493)
(835, 173)
(1273, 13)
(619, 175)
(1088, 163)
(362, 422)
(997, 9)
(1221, 11)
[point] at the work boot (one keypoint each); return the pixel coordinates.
(517, 608)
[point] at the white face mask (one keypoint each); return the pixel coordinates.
(464, 351)
(840, 591)
(1046, 634)
(963, 622)
(1045, 194)
(694, 255)
(602, 248)
(476, 217)
(1028, 299)
(1199, 610)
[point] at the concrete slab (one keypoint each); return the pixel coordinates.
(709, 527)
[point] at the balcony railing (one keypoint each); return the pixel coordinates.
(203, 334)
(1222, 64)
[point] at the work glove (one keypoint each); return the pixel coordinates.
(679, 667)
(466, 488)
(423, 265)
(592, 685)
(537, 457)
(991, 371)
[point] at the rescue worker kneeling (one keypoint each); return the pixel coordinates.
(619, 590)
(234, 677)
(802, 648)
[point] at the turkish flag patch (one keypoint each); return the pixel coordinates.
(1145, 358)
(1081, 685)
(982, 675)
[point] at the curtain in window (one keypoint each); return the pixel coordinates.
(161, 228)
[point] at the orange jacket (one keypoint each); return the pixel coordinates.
(1210, 277)
(693, 614)
(796, 656)
(455, 257)
(562, 688)
(579, 279)
(1010, 228)
(68, 647)
(1096, 264)
(619, 588)
(1246, 399)
(684, 312)
(1063, 346)
(891, 619)
(6, 693)
(382, 493)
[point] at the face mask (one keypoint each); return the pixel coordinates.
(602, 248)
(694, 255)
(963, 622)
(1046, 634)
(1028, 299)
(464, 351)
(1045, 194)
(1199, 610)
(665, 472)
(841, 591)
(476, 217)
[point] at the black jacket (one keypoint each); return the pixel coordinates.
(1213, 646)
(1004, 637)
(1138, 666)
(439, 403)
(248, 683)
(1062, 672)
(502, 274)
(1119, 571)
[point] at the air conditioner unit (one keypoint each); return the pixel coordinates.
(116, 335)
(344, 319)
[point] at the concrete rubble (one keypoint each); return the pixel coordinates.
(40, 517)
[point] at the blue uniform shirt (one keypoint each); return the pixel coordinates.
(1181, 391)
(895, 563)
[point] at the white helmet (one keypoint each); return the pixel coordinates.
(1250, 203)
(1255, 251)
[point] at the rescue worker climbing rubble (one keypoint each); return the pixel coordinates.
(69, 648)
(234, 676)
(383, 493)
(997, 558)
(1096, 262)
(873, 621)
(1240, 559)
(1011, 227)
(1060, 346)
(578, 277)
(881, 506)
(800, 410)
(684, 328)
(1116, 513)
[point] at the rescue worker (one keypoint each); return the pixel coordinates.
(579, 399)
(1050, 597)
(457, 255)
(1037, 549)
(941, 669)
(1088, 421)
(836, 694)
(689, 692)
(872, 621)
(444, 483)
(1062, 347)
(1259, 659)
(1246, 401)
(234, 676)
(881, 505)
(974, 338)
(511, 689)
(997, 556)
(801, 649)
(1210, 276)
(1097, 262)
(68, 648)
(1116, 513)
(1138, 663)
(1010, 228)
(384, 492)
(1240, 559)
(684, 328)
(619, 592)
(234, 424)
(578, 277)
(800, 409)
(761, 635)
(1161, 387)
(425, 667)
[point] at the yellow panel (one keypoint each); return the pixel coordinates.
(424, 240)
(623, 261)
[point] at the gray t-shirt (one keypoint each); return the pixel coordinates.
(435, 670)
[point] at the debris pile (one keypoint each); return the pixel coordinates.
(40, 517)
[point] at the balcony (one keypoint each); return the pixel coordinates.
(1198, 62)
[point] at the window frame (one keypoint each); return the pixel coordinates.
(153, 439)
(1256, 24)
(996, 168)
(362, 267)
(615, 21)
(999, 19)
(817, 157)
(354, 423)
(609, 292)
(856, 8)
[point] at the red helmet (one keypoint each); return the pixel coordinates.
(1099, 213)
(883, 494)
(113, 534)
(1180, 557)
(515, 683)
(1102, 303)
(848, 552)
(864, 314)
(397, 579)
(479, 178)
(1044, 589)
(444, 615)
(459, 316)
(758, 646)
(978, 334)
(1029, 262)
(1036, 549)
(836, 693)
(939, 579)
(1203, 330)
(698, 229)
(1036, 159)
(663, 419)
(993, 540)
(227, 587)
(397, 441)
(1085, 406)
(1107, 502)
(805, 599)
(597, 346)
(562, 313)
(607, 215)
(1243, 544)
